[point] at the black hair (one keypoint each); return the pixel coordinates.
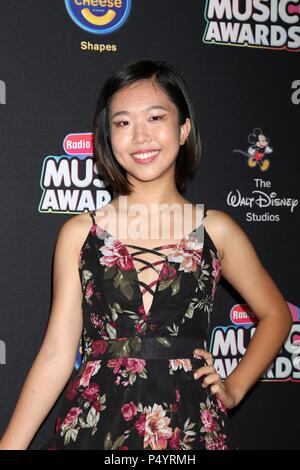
(172, 83)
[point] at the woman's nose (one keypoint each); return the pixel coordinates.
(140, 132)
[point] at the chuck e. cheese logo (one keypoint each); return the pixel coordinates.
(98, 16)
(229, 343)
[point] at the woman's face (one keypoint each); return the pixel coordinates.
(145, 134)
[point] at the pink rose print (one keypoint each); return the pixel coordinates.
(132, 365)
(91, 392)
(208, 421)
(174, 407)
(97, 406)
(97, 231)
(91, 368)
(139, 328)
(157, 431)
(217, 444)
(115, 364)
(89, 290)
(167, 272)
(221, 405)
(71, 417)
(135, 365)
(188, 253)
(216, 269)
(140, 424)
(129, 410)
(72, 389)
(174, 442)
(99, 347)
(115, 253)
(96, 322)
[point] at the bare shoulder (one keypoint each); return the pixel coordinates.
(238, 254)
(75, 230)
(221, 226)
(242, 267)
(77, 227)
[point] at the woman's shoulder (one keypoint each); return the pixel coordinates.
(219, 217)
(222, 222)
(220, 226)
(75, 229)
(79, 222)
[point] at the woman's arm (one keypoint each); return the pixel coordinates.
(242, 268)
(55, 360)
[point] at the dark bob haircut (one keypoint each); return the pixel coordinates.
(171, 82)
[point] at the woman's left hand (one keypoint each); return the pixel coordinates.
(218, 387)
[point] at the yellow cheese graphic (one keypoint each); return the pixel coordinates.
(98, 20)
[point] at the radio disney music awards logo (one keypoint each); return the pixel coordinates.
(272, 24)
(229, 343)
(99, 16)
(258, 153)
(70, 182)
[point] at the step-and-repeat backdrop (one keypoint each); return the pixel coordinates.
(240, 60)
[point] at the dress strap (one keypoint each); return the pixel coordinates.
(92, 214)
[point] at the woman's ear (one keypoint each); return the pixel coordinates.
(185, 130)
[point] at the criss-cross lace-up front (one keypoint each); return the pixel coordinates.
(149, 285)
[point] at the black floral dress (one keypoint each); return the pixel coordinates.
(135, 387)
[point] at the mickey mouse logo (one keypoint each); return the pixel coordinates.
(259, 150)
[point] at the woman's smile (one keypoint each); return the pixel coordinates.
(145, 157)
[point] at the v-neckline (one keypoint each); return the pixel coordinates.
(135, 270)
(142, 283)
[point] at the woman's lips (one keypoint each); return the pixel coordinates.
(146, 159)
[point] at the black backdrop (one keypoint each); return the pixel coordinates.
(48, 89)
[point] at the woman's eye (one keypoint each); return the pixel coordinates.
(119, 123)
(159, 117)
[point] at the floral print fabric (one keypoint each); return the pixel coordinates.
(135, 387)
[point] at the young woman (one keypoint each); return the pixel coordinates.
(147, 380)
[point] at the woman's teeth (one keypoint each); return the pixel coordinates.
(143, 156)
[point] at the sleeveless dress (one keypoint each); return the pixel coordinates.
(134, 388)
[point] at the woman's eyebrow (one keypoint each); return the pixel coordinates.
(156, 106)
